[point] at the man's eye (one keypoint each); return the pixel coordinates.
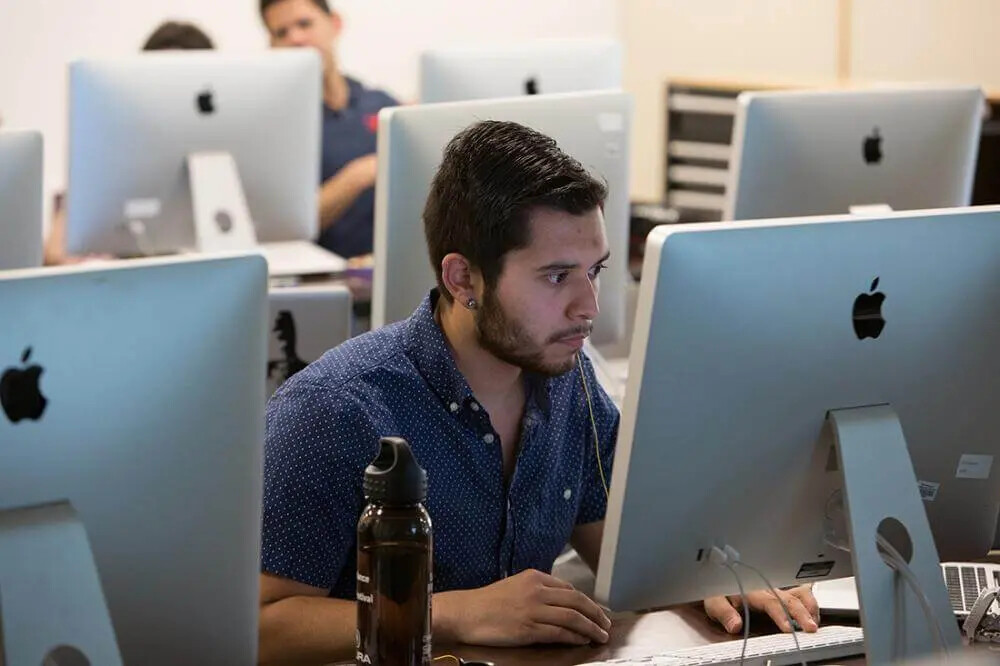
(557, 278)
(596, 270)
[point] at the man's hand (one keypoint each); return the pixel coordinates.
(531, 607)
(802, 606)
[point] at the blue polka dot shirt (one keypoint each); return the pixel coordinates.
(323, 429)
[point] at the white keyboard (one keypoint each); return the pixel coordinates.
(290, 258)
(831, 642)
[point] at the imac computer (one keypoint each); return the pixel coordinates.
(592, 127)
(799, 386)
(823, 152)
(544, 67)
(20, 199)
(131, 419)
(183, 150)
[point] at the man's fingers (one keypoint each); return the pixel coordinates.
(570, 619)
(547, 633)
(804, 594)
(721, 610)
(580, 603)
(796, 610)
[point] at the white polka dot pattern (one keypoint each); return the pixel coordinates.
(323, 428)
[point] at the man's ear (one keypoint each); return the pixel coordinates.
(460, 278)
(336, 23)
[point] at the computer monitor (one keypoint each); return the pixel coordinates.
(552, 66)
(592, 127)
(801, 153)
(20, 199)
(747, 336)
(136, 392)
(135, 121)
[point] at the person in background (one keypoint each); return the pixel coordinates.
(168, 36)
(177, 35)
(350, 125)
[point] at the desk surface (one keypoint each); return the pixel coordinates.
(632, 635)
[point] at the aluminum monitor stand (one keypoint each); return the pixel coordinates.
(219, 208)
(881, 497)
(52, 607)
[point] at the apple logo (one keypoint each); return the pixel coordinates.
(872, 148)
(205, 101)
(531, 86)
(20, 396)
(868, 320)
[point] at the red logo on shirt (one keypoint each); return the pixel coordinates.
(371, 122)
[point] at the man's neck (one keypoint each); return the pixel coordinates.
(489, 378)
(336, 92)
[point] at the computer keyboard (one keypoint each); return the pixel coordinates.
(289, 258)
(830, 642)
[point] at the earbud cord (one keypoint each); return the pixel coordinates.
(593, 425)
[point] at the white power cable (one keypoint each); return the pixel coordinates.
(781, 601)
(894, 559)
(729, 558)
(746, 611)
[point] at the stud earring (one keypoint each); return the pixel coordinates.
(471, 304)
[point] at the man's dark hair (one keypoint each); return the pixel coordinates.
(322, 4)
(176, 35)
(492, 176)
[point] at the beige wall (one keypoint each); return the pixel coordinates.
(946, 40)
(727, 39)
(380, 44)
(790, 40)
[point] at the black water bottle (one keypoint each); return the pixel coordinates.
(394, 562)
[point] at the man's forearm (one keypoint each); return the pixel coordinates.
(307, 630)
(320, 630)
(336, 195)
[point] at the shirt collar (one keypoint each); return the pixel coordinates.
(430, 352)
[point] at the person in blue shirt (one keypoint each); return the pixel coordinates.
(350, 125)
(488, 383)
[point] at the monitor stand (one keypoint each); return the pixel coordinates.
(52, 608)
(881, 497)
(219, 207)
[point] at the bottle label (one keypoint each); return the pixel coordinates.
(393, 591)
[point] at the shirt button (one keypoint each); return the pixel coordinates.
(453, 407)
(567, 493)
(474, 406)
(488, 438)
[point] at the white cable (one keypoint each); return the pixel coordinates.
(788, 616)
(746, 611)
(894, 559)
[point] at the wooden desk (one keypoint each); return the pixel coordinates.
(632, 635)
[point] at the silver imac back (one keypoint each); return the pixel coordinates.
(134, 122)
(136, 393)
(544, 67)
(20, 199)
(747, 335)
(592, 127)
(822, 152)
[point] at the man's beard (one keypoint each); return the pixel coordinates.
(507, 340)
